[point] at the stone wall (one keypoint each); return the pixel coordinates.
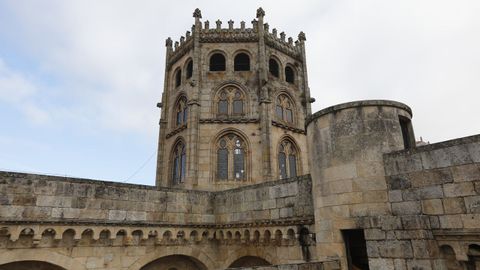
(434, 192)
(285, 199)
(326, 265)
(33, 197)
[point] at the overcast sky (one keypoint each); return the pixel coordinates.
(79, 80)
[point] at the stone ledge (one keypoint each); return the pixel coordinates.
(434, 146)
(360, 103)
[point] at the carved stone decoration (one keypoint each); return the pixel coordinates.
(168, 42)
(197, 13)
(301, 36)
(260, 12)
(230, 25)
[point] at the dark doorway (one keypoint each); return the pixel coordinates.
(356, 248)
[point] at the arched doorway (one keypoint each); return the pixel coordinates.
(175, 262)
(30, 265)
(249, 261)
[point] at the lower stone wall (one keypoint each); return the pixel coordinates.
(326, 265)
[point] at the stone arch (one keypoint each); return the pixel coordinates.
(272, 71)
(285, 101)
(268, 255)
(213, 65)
(288, 141)
(449, 258)
(249, 261)
(50, 257)
(188, 68)
(246, 146)
(231, 87)
(291, 74)
(197, 255)
(248, 54)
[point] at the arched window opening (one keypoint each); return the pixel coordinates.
(289, 75)
(273, 67)
(217, 62)
(231, 158)
(189, 69)
(178, 78)
(287, 159)
(230, 102)
(179, 163)
(181, 112)
(284, 109)
(241, 62)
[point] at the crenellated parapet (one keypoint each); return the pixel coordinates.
(218, 32)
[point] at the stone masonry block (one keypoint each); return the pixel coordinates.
(472, 204)
(406, 208)
(432, 207)
(454, 205)
(459, 189)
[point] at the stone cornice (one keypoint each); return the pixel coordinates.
(177, 130)
(228, 120)
(293, 129)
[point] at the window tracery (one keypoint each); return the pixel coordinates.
(181, 112)
(231, 158)
(284, 109)
(287, 159)
(179, 163)
(230, 102)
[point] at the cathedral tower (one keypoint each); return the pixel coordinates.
(233, 107)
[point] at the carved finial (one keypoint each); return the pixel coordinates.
(219, 24)
(168, 42)
(193, 28)
(290, 40)
(207, 25)
(282, 36)
(176, 45)
(260, 12)
(182, 39)
(301, 36)
(255, 24)
(266, 27)
(197, 13)
(274, 32)
(230, 25)
(242, 25)
(187, 34)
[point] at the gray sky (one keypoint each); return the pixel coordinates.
(79, 80)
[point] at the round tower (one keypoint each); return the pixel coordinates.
(234, 105)
(347, 143)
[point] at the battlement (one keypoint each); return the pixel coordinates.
(215, 33)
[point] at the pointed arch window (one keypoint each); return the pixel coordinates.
(284, 108)
(181, 112)
(287, 159)
(230, 102)
(179, 163)
(231, 158)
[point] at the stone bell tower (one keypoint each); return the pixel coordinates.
(233, 107)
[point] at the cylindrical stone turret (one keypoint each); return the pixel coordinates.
(347, 143)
